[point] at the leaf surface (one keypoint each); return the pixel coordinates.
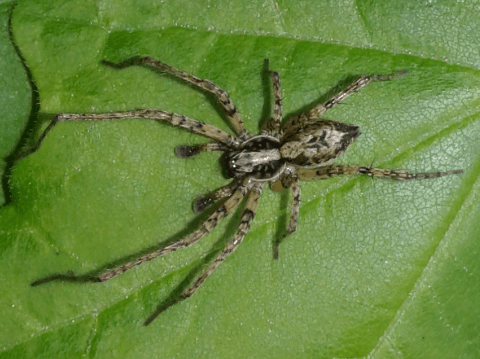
(377, 269)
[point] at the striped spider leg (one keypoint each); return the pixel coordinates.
(273, 126)
(309, 141)
(305, 147)
(233, 193)
(221, 138)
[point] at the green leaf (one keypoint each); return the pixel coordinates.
(15, 99)
(378, 269)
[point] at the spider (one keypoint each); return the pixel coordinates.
(305, 147)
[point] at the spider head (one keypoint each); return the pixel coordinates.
(316, 142)
(231, 165)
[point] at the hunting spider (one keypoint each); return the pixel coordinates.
(303, 148)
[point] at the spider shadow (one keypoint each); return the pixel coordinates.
(282, 222)
(211, 98)
(267, 94)
(175, 295)
(338, 87)
(92, 276)
(36, 119)
(285, 201)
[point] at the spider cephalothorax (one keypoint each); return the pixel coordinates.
(258, 157)
(303, 148)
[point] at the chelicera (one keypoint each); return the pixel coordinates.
(304, 147)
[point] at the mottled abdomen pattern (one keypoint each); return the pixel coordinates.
(304, 148)
(309, 142)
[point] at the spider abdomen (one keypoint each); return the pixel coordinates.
(316, 142)
(275, 156)
(259, 158)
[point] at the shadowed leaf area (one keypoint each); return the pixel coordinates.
(377, 269)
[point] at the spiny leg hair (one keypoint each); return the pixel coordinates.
(222, 96)
(358, 84)
(342, 170)
(190, 151)
(273, 125)
(241, 186)
(232, 245)
(174, 119)
(229, 205)
(204, 201)
(293, 224)
(291, 181)
(247, 217)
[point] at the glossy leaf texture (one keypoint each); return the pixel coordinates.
(377, 269)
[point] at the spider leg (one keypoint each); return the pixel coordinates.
(358, 84)
(174, 119)
(274, 124)
(190, 151)
(292, 227)
(223, 98)
(187, 241)
(232, 245)
(202, 202)
(341, 170)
